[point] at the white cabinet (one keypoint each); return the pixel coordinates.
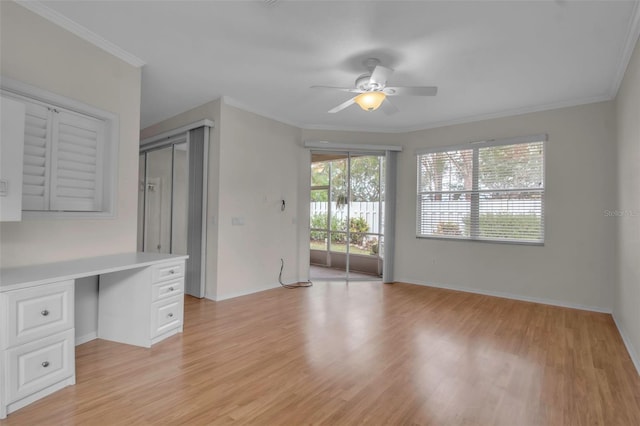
(37, 340)
(35, 366)
(166, 316)
(140, 303)
(11, 152)
(37, 312)
(142, 307)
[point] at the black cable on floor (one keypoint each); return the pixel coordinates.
(292, 285)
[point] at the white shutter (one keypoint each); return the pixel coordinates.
(37, 157)
(77, 162)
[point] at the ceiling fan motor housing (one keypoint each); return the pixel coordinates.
(364, 83)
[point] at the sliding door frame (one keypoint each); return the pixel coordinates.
(170, 138)
(388, 237)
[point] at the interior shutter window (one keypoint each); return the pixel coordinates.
(69, 156)
(37, 157)
(77, 169)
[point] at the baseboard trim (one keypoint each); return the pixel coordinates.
(244, 293)
(508, 296)
(627, 342)
(86, 338)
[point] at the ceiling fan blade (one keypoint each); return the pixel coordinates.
(388, 107)
(380, 75)
(342, 89)
(411, 91)
(342, 106)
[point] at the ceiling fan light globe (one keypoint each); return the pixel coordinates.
(370, 101)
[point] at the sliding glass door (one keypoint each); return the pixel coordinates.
(346, 215)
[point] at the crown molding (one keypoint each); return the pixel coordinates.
(633, 35)
(227, 100)
(361, 129)
(512, 112)
(470, 119)
(62, 21)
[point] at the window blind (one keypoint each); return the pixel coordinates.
(489, 192)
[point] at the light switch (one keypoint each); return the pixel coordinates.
(4, 188)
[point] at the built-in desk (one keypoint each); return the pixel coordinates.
(140, 302)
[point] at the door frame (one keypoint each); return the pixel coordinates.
(347, 154)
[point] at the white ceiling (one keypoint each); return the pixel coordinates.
(487, 58)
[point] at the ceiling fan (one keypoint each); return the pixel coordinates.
(373, 91)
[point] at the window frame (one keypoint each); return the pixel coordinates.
(475, 147)
(17, 89)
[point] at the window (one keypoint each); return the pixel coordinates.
(489, 191)
(69, 155)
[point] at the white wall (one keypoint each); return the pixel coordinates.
(254, 163)
(259, 161)
(576, 265)
(627, 299)
(86, 309)
(262, 160)
(41, 54)
(259, 166)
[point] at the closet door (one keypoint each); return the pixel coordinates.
(158, 200)
(180, 202)
(172, 201)
(142, 164)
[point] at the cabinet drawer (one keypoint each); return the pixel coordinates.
(38, 311)
(164, 290)
(166, 315)
(36, 365)
(167, 271)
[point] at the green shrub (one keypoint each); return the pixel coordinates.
(374, 248)
(337, 227)
(358, 227)
(508, 226)
(318, 221)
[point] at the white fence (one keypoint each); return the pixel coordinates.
(370, 211)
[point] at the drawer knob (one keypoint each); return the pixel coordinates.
(45, 364)
(171, 271)
(44, 313)
(170, 288)
(170, 315)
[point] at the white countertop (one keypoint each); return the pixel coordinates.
(32, 275)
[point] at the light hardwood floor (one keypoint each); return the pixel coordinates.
(341, 353)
